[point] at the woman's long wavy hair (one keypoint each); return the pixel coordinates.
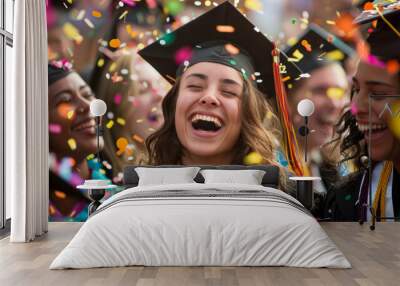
(348, 139)
(259, 132)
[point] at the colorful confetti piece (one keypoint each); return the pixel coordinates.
(121, 121)
(72, 143)
(72, 32)
(306, 45)
(137, 138)
(114, 43)
(225, 29)
(117, 98)
(110, 124)
(96, 14)
(232, 49)
(89, 23)
(55, 128)
(63, 109)
(253, 158)
(392, 66)
(174, 7)
(70, 114)
(183, 54)
(335, 93)
(121, 144)
(60, 195)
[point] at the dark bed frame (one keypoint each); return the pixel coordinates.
(131, 178)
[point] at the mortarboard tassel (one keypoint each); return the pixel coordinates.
(289, 137)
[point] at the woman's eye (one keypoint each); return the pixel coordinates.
(230, 93)
(194, 87)
(378, 95)
(88, 95)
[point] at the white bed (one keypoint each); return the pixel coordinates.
(222, 225)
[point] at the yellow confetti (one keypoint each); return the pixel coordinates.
(335, 55)
(121, 121)
(255, 5)
(335, 93)
(110, 124)
(52, 210)
(112, 67)
(139, 120)
(253, 158)
(90, 157)
(115, 43)
(96, 14)
(70, 114)
(330, 22)
(269, 115)
(72, 32)
(100, 62)
(298, 55)
(72, 143)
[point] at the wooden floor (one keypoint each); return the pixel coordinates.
(374, 255)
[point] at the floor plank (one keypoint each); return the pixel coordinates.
(374, 255)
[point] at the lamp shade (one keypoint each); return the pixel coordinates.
(98, 107)
(305, 107)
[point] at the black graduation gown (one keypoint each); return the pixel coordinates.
(340, 202)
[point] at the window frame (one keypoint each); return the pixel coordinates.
(6, 39)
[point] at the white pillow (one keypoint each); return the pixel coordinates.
(248, 177)
(162, 176)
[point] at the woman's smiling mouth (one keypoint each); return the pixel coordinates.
(206, 125)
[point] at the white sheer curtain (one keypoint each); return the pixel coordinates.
(27, 124)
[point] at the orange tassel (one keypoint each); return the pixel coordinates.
(289, 136)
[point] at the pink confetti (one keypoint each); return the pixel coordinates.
(375, 61)
(151, 4)
(129, 2)
(183, 54)
(55, 128)
(117, 99)
(353, 108)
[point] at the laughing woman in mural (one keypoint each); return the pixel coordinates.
(72, 137)
(216, 112)
(372, 124)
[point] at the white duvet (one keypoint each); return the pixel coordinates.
(188, 231)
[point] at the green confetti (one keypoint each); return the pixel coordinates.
(347, 197)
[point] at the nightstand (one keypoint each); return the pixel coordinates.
(304, 190)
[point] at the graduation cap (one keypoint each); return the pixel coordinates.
(57, 70)
(384, 39)
(222, 35)
(317, 48)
